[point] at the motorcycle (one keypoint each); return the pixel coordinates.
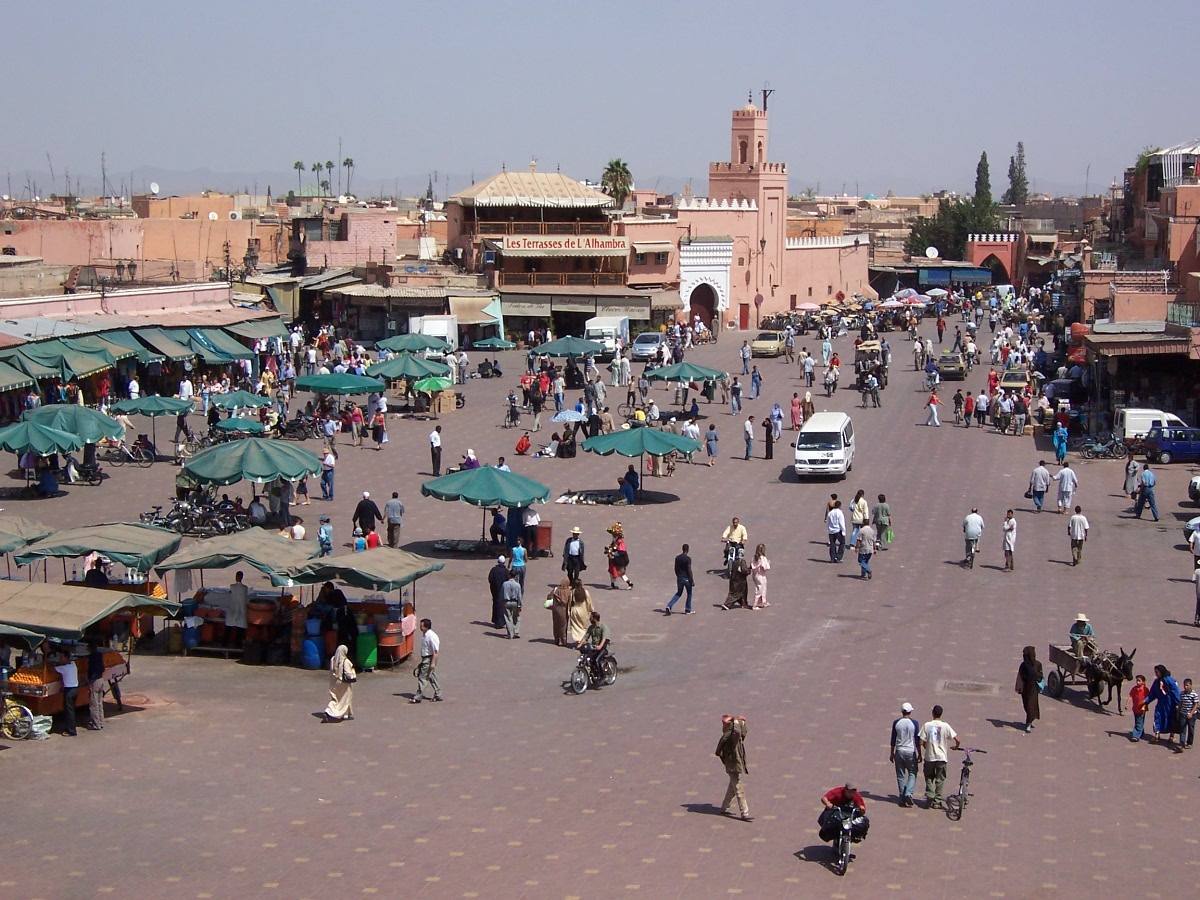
(1110, 447)
(585, 675)
(851, 829)
(734, 553)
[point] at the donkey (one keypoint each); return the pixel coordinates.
(1108, 669)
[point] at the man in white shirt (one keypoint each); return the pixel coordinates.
(1039, 483)
(835, 527)
(235, 613)
(186, 390)
(435, 450)
(1077, 530)
(748, 430)
(464, 366)
(1068, 482)
(431, 646)
(135, 389)
(972, 532)
(935, 737)
(530, 519)
(327, 466)
(69, 673)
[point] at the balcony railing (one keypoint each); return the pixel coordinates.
(1184, 314)
(502, 228)
(559, 279)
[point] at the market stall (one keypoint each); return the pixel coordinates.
(376, 626)
(268, 616)
(16, 532)
(67, 617)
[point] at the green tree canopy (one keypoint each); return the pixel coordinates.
(983, 183)
(948, 229)
(1018, 182)
(617, 181)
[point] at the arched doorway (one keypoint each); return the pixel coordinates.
(999, 272)
(704, 304)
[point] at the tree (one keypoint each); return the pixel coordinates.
(317, 168)
(325, 187)
(983, 183)
(617, 181)
(328, 174)
(348, 162)
(948, 229)
(1018, 183)
(299, 167)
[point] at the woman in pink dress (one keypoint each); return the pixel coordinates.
(797, 412)
(758, 575)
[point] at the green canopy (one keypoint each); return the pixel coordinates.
(405, 365)
(409, 342)
(259, 328)
(66, 612)
(12, 378)
(214, 345)
(172, 349)
(153, 406)
(493, 343)
(639, 441)
(487, 486)
(240, 400)
(433, 385)
(134, 545)
(64, 361)
(14, 636)
(259, 548)
(41, 439)
(241, 425)
(17, 531)
(254, 459)
(380, 569)
(339, 383)
(569, 346)
(90, 425)
(30, 367)
(685, 371)
(98, 343)
(127, 340)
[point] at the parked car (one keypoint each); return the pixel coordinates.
(1194, 489)
(1190, 526)
(1168, 445)
(1131, 422)
(768, 343)
(951, 365)
(645, 346)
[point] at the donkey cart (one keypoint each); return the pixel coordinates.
(1094, 672)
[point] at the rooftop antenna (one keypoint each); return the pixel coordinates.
(767, 91)
(103, 175)
(50, 162)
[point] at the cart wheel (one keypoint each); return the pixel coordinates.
(1054, 684)
(17, 724)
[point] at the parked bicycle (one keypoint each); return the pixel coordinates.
(118, 453)
(957, 802)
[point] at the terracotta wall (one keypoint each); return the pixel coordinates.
(176, 298)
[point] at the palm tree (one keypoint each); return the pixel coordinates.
(325, 187)
(617, 181)
(348, 162)
(328, 173)
(299, 167)
(317, 168)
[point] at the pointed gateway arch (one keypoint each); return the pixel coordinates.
(704, 264)
(999, 270)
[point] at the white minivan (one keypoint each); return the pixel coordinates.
(1130, 422)
(825, 445)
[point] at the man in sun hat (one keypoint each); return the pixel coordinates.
(1082, 636)
(573, 559)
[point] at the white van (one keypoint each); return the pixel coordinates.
(609, 331)
(825, 445)
(1136, 422)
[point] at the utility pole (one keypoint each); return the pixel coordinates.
(103, 175)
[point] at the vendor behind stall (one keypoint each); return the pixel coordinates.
(235, 613)
(96, 576)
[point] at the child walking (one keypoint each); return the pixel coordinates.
(1137, 702)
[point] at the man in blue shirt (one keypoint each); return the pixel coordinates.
(1146, 494)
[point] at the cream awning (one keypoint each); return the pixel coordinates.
(525, 305)
(653, 246)
(472, 310)
(574, 304)
(635, 308)
(665, 300)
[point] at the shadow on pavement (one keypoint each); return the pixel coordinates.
(704, 809)
(821, 854)
(1004, 723)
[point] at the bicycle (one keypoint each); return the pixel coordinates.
(956, 803)
(17, 723)
(972, 549)
(120, 453)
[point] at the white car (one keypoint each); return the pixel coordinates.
(1194, 489)
(645, 346)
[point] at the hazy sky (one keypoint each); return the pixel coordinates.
(885, 95)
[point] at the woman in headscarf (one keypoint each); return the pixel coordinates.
(1029, 679)
(1164, 694)
(1132, 469)
(618, 556)
(579, 613)
(470, 461)
(758, 575)
(559, 601)
(1060, 443)
(341, 686)
(797, 412)
(737, 586)
(808, 409)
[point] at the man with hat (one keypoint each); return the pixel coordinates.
(1082, 636)
(905, 753)
(366, 513)
(573, 560)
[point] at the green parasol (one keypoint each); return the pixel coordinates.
(493, 343)
(640, 441)
(432, 385)
(260, 460)
(240, 400)
(90, 425)
(17, 531)
(569, 346)
(405, 365)
(409, 342)
(339, 384)
(379, 569)
(685, 371)
(41, 439)
(241, 425)
(153, 406)
(487, 487)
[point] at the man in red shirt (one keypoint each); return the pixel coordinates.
(846, 795)
(830, 822)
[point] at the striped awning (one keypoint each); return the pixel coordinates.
(653, 246)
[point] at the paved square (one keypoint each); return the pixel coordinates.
(219, 782)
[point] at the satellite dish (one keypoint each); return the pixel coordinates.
(212, 217)
(234, 215)
(931, 252)
(154, 187)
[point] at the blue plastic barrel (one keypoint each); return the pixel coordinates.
(191, 636)
(312, 627)
(310, 655)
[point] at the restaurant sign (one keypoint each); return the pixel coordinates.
(565, 245)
